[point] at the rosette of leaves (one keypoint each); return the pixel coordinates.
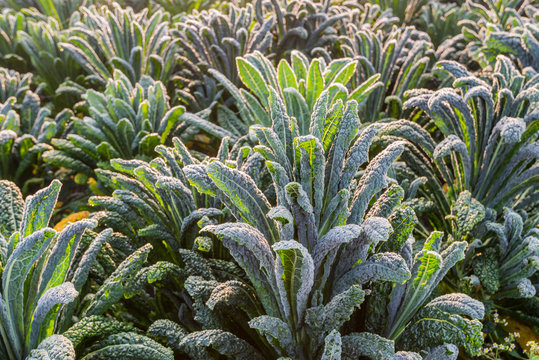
(34, 264)
(487, 154)
(400, 57)
(500, 269)
(102, 40)
(441, 21)
(505, 262)
(126, 121)
(371, 16)
(298, 83)
(502, 27)
(308, 256)
(154, 202)
(184, 6)
(43, 272)
(25, 132)
(11, 54)
(213, 39)
(60, 10)
(408, 313)
(57, 73)
(407, 11)
(13, 84)
(303, 25)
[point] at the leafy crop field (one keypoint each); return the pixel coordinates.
(269, 179)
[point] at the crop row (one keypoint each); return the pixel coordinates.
(275, 179)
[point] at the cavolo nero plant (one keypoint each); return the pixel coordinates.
(400, 57)
(213, 39)
(126, 121)
(298, 83)
(304, 25)
(502, 27)
(43, 272)
(60, 10)
(442, 21)
(508, 260)
(26, 129)
(299, 254)
(371, 16)
(102, 40)
(33, 257)
(13, 84)
(152, 202)
(487, 154)
(485, 161)
(58, 73)
(407, 11)
(11, 54)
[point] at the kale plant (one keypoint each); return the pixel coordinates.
(302, 254)
(13, 84)
(126, 121)
(154, 201)
(298, 83)
(373, 17)
(33, 257)
(485, 160)
(441, 21)
(26, 129)
(43, 272)
(60, 10)
(58, 73)
(303, 25)
(487, 154)
(504, 263)
(102, 40)
(406, 11)
(502, 27)
(400, 57)
(213, 39)
(11, 54)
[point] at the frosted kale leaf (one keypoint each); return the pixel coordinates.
(11, 208)
(55, 347)
(367, 344)
(203, 344)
